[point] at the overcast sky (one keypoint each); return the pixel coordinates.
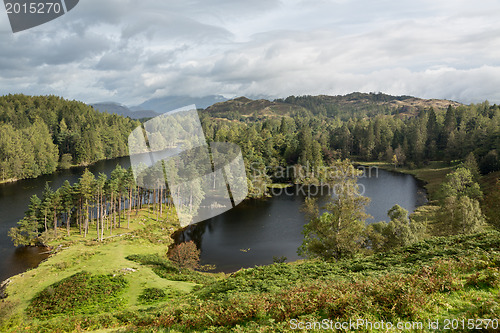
(129, 50)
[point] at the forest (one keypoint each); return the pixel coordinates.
(440, 262)
(465, 136)
(311, 136)
(39, 134)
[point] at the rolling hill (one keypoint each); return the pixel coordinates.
(353, 105)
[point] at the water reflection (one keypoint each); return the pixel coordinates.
(14, 200)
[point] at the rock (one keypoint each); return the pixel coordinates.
(3, 287)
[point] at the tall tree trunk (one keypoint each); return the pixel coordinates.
(161, 201)
(155, 205)
(119, 210)
(112, 211)
(79, 215)
(68, 221)
(129, 206)
(55, 222)
(45, 219)
(103, 212)
(86, 225)
(114, 214)
(97, 217)
(137, 202)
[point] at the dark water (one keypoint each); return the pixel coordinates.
(249, 235)
(14, 200)
(256, 230)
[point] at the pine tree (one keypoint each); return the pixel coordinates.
(46, 205)
(100, 187)
(450, 120)
(67, 193)
(86, 185)
(27, 231)
(56, 204)
(470, 163)
(337, 233)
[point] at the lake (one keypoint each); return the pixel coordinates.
(14, 201)
(257, 230)
(248, 235)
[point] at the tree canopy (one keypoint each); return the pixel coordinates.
(38, 133)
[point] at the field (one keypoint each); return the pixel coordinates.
(127, 284)
(437, 279)
(75, 254)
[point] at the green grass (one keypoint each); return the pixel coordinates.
(77, 254)
(440, 278)
(80, 293)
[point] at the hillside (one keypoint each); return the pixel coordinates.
(38, 134)
(441, 279)
(353, 105)
(243, 107)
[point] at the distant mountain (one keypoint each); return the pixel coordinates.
(354, 105)
(156, 106)
(122, 110)
(169, 103)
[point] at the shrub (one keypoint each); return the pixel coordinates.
(488, 278)
(79, 293)
(166, 269)
(185, 255)
(152, 295)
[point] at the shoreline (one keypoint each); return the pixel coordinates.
(428, 177)
(175, 234)
(45, 256)
(73, 166)
(421, 183)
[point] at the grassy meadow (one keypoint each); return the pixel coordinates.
(127, 284)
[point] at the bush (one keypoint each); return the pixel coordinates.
(152, 295)
(167, 270)
(79, 293)
(65, 162)
(488, 278)
(185, 255)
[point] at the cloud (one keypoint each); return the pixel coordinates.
(130, 50)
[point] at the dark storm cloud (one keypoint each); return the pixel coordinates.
(130, 50)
